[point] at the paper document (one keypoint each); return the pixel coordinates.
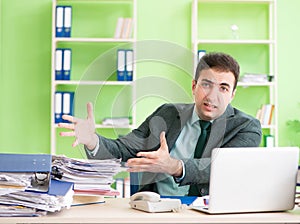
(90, 177)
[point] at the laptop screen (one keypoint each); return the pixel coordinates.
(253, 179)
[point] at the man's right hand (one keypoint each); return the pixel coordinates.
(83, 129)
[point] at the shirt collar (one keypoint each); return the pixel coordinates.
(195, 117)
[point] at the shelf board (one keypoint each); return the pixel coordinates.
(268, 126)
(236, 1)
(95, 40)
(100, 1)
(112, 127)
(107, 83)
(211, 41)
(108, 126)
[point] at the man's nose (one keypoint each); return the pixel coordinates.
(213, 92)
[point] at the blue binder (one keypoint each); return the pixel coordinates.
(60, 188)
(67, 21)
(201, 53)
(66, 68)
(129, 65)
(59, 21)
(10, 162)
(59, 64)
(63, 105)
(121, 62)
(67, 103)
(184, 199)
(58, 98)
(37, 165)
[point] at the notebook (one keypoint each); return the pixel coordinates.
(252, 180)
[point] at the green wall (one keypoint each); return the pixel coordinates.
(25, 68)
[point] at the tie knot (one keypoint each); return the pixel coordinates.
(204, 124)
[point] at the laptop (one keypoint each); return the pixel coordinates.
(252, 180)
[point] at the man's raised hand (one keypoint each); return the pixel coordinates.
(82, 129)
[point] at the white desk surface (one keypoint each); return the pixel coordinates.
(118, 211)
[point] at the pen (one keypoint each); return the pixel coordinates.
(90, 203)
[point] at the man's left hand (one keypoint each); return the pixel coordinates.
(158, 161)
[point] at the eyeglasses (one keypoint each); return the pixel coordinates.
(208, 85)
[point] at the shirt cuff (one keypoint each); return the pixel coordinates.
(93, 152)
(179, 179)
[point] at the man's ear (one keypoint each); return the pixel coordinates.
(233, 95)
(194, 83)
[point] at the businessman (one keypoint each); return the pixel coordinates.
(172, 147)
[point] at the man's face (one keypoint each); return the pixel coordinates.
(213, 91)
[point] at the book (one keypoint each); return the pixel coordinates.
(81, 200)
(265, 114)
(127, 28)
(124, 28)
(119, 28)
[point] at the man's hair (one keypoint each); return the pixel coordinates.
(220, 62)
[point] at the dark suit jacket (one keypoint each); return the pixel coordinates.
(233, 129)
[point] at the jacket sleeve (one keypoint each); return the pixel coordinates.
(144, 138)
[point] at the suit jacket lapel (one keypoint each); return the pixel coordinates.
(184, 113)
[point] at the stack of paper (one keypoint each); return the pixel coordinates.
(32, 203)
(19, 211)
(26, 188)
(19, 181)
(90, 177)
(256, 78)
(116, 121)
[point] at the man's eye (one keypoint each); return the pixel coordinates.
(224, 89)
(205, 84)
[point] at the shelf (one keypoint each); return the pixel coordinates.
(268, 127)
(92, 36)
(253, 45)
(235, 1)
(100, 1)
(94, 83)
(207, 41)
(96, 40)
(107, 126)
(112, 127)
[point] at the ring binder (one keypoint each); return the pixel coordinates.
(38, 166)
(56, 172)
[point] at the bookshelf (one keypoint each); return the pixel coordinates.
(93, 67)
(245, 29)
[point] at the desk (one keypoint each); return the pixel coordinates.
(119, 211)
